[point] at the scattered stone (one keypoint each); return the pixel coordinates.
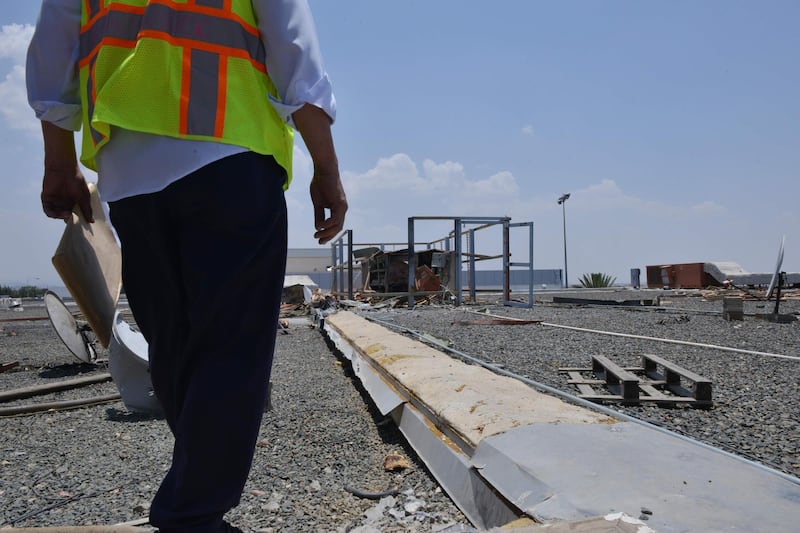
(274, 503)
(413, 505)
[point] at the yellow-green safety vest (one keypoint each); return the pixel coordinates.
(190, 69)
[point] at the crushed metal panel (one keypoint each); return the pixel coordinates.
(383, 394)
(610, 523)
(566, 472)
(477, 499)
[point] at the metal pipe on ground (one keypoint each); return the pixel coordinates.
(28, 392)
(675, 341)
(658, 339)
(57, 406)
(77, 529)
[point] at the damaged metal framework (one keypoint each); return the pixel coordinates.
(425, 268)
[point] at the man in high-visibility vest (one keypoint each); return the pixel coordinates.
(185, 108)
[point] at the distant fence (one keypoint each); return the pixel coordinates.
(486, 280)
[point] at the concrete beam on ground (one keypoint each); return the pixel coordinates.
(500, 448)
(609, 296)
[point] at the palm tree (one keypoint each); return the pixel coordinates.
(596, 280)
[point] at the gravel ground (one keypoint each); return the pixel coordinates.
(102, 464)
(756, 411)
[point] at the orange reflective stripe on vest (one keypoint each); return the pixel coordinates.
(206, 37)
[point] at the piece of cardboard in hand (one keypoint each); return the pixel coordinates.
(89, 262)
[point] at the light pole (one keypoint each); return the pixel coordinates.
(562, 200)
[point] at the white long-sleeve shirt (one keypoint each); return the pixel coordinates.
(134, 163)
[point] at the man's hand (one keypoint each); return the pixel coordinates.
(327, 193)
(62, 189)
(326, 186)
(63, 185)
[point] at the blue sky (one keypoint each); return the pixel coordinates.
(675, 126)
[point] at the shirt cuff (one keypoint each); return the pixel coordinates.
(65, 116)
(320, 95)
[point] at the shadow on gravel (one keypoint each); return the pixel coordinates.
(122, 415)
(68, 370)
(388, 431)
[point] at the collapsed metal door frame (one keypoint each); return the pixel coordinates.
(507, 264)
(458, 231)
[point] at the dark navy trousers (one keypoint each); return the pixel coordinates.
(203, 263)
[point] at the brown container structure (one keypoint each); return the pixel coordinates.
(679, 276)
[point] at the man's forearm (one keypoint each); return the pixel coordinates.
(63, 185)
(315, 127)
(59, 147)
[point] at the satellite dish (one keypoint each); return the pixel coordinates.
(73, 336)
(777, 274)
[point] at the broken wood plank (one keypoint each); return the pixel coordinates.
(5, 367)
(615, 375)
(27, 392)
(57, 406)
(700, 386)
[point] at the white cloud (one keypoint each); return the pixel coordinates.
(527, 130)
(400, 175)
(14, 102)
(440, 176)
(391, 173)
(14, 108)
(14, 40)
(500, 184)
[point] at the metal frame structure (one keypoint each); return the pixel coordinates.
(458, 231)
(338, 264)
(342, 257)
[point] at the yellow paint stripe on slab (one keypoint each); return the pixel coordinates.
(473, 401)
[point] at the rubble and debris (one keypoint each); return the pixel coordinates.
(294, 294)
(388, 271)
(395, 461)
(708, 274)
(426, 279)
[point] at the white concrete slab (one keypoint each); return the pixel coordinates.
(472, 401)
